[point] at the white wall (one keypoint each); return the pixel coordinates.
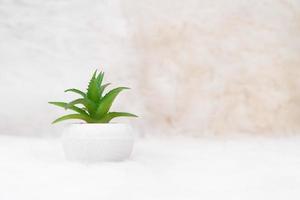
(48, 46)
(196, 67)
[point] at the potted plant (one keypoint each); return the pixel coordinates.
(97, 139)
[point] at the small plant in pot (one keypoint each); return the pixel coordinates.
(96, 139)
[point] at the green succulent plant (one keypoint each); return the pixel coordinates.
(95, 105)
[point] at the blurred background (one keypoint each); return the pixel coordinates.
(196, 67)
(223, 73)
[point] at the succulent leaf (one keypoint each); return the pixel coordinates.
(107, 101)
(100, 78)
(71, 107)
(109, 116)
(73, 116)
(102, 88)
(94, 89)
(88, 104)
(75, 102)
(95, 105)
(76, 91)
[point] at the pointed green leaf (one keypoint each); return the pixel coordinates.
(96, 105)
(75, 102)
(71, 107)
(84, 108)
(93, 89)
(102, 88)
(109, 116)
(107, 101)
(90, 106)
(95, 73)
(100, 78)
(73, 116)
(76, 91)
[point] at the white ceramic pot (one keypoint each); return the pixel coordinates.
(98, 142)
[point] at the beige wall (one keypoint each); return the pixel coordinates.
(217, 67)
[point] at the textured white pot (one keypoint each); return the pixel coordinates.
(98, 142)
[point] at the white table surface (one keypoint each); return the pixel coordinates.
(159, 169)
